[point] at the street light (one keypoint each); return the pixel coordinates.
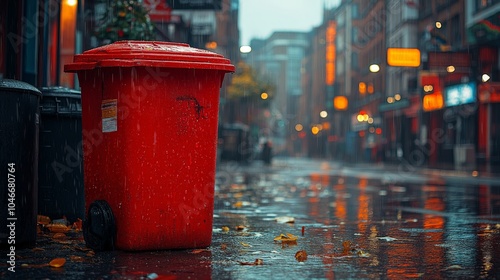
(374, 68)
(245, 49)
(323, 114)
(485, 77)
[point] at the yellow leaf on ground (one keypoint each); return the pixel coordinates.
(245, 244)
(238, 204)
(288, 238)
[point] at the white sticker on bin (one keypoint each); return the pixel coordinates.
(109, 115)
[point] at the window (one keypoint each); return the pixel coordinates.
(355, 12)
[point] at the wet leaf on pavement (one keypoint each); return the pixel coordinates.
(197, 251)
(346, 247)
(59, 235)
(240, 227)
(363, 254)
(78, 225)
(387, 238)
(57, 262)
(38, 249)
(453, 267)
(285, 220)
(74, 258)
(245, 244)
(43, 220)
(256, 262)
(286, 239)
(238, 204)
(82, 249)
(225, 229)
(90, 253)
(25, 265)
(54, 228)
(301, 256)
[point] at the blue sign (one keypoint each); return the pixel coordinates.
(460, 94)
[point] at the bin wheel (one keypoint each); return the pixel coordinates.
(99, 228)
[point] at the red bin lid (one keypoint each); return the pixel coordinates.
(149, 54)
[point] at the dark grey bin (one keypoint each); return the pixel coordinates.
(19, 124)
(60, 188)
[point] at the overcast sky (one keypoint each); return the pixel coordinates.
(260, 18)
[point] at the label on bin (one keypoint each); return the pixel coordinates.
(109, 115)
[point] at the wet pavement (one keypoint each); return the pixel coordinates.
(335, 221)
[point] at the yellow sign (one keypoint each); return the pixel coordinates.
(433, 101)
(340, 103)
(406, 57)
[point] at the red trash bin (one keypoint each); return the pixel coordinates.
(149, 129)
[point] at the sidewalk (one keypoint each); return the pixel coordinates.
(404, 169)
(445, 172)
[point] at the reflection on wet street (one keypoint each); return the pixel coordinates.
(396, 228)
(310, 219)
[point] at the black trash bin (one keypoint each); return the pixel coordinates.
(19, 124)
(60, 180)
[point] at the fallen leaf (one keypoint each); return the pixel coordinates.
(78, 224)
(64, 242)
(223, 246)
(43, 220)
(225, 229)
(453, 267)
(301, 256)
(240, 227)
(57, 228)
(285, 220)
(82, 249)
(59, 235)
(197, 251)
(245, 244)
(238, 204)
(34, 265)
(57, 262)
(37, 249)
(286, 239)
(90, 254)
(74, 258)
(363, 254)
(256, 262)
(387, 238)
(347, 247)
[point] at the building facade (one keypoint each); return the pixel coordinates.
(433, 98)
(278, 60)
